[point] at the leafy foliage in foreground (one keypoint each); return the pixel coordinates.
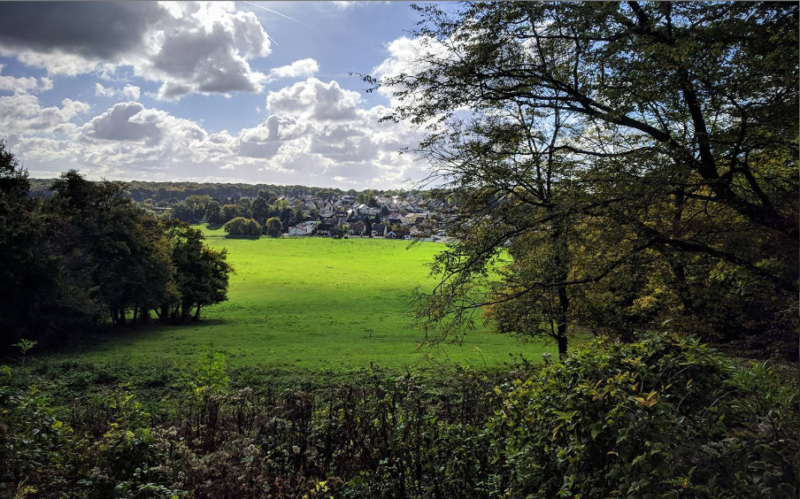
(663, 417)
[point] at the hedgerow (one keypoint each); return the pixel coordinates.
(662, 417)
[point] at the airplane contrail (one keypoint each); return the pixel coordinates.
(277, 13)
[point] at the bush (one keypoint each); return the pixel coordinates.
(274, 227)
(242, 227)
(662, 417)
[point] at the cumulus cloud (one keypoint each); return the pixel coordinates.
(317, 133)
(316, 100)
(189, 47)
(23, 85)
(407, 56)
(298, 69)
(101, 91)
(131, 92)
(22, 113)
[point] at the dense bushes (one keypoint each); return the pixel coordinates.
(242, 227)
(662, 417)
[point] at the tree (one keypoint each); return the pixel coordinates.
(245, 207)
(678, 126)
(14, 183)
(368, 226)
(242, 227)
(385, 210)
(260, 210)
(130, 266)
(298, 216)
(214, 213)
(229, 212)
(201, 274)
(274, 227)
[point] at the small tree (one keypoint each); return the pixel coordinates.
(241, 226)
(214, 213)
(25, 346)
(229, 212)
(274, 227)
(368, 226)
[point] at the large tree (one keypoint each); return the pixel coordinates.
(672, 132)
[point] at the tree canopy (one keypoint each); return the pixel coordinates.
(638, 161)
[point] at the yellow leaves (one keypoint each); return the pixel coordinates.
(635, 362)
(648, 401)
(58, 424)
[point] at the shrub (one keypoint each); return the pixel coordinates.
(662, 417)
(242, 227)
(274, 227)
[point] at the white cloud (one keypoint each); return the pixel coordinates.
(101, 91)
(314, 99)
(407, 56)
(298, 69)
(317, 134)
(188, 46)
(22, 113)
(23, 85)
(132, 92)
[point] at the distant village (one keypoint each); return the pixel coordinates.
(394, 217)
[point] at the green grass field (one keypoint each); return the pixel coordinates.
(313, 304)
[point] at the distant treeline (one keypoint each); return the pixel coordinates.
(178, 191)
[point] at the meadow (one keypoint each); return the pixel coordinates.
(313, 304)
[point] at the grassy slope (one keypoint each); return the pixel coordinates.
(312, 304)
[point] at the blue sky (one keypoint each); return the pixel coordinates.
(226, 92)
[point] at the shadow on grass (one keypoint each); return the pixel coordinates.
(254, 238)
(98, 338)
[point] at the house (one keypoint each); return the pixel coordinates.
(357, 228)
(324, 229)
(348, 199)
(300, 230)
(379, 230)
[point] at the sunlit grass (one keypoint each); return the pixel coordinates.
(313, 304)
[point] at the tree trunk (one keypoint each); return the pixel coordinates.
(164, 315)
(144, 315)
(197, 313)
(562, 344)
(562, 274)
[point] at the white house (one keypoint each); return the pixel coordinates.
(326, 211)
(299, 231)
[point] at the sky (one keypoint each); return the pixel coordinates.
(254, 92)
